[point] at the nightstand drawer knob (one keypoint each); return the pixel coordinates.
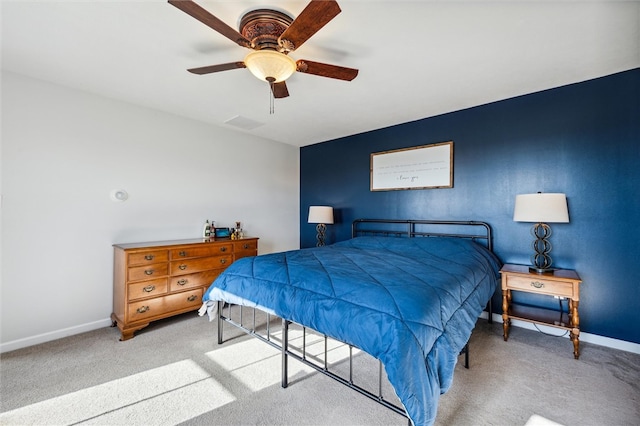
(182, 267)
(183, 253)
(149, 257)
(142, 309)
(223, 249)
(537, 284)
(223, 261)
(149, 288)
(192, 298)
(149, 272)
(182, 281)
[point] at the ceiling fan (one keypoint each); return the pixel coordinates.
(272, 35)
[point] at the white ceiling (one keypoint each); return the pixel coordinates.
(416, 58)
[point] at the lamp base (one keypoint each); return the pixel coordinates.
(540, 260)
(541, 271)
(321, 228)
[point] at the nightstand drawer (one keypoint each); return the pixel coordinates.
(534, 284)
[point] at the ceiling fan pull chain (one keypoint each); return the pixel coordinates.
(271, 98)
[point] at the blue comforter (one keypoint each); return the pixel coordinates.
(410, 302)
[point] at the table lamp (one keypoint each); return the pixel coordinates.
(322, 215)
(541, 209)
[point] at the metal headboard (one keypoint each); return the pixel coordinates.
(473, 230)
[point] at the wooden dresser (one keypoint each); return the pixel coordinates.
(160, 279)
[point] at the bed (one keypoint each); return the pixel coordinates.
(399, 290)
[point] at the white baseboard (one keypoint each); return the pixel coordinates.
(53, 335)
(584, 337)
(47, 337)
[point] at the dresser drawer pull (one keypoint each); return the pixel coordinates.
(149, 257)
(182, 267)
(182, 253)
(223, 248)
(142, 309)
(246, 246)
(192, 298)
(223, 261)
(149, 288)
(148, 271)
(182, 281)
(537, 284)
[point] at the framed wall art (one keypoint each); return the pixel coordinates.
(419, 167)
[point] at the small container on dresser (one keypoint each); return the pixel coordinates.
(160, 279)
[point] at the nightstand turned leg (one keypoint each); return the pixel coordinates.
(575, 330)
(506, 322)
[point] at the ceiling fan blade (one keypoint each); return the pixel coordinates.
(217, 68)
(279, 90)
(326, 70)
(315, 16)
(196, 11)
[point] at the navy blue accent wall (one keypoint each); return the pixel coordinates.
(582, 139)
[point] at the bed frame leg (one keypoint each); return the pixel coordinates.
(466, 356)
(220, 321)
(285, 344)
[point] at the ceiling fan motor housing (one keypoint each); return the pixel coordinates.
(263, 27)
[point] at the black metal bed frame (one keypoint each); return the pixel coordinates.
(360, 227)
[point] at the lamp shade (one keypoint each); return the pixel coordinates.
(321, 214)
(266, 64)
(541, 208)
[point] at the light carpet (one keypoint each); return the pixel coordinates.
(174, 372)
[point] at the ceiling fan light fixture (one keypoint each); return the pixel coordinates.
(269, 64)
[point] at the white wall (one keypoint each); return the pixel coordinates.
(63, 151)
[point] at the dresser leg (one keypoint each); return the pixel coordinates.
(126, 333)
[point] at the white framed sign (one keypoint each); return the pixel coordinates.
(419, 167)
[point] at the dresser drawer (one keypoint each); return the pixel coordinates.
(188, 266)
(539, 285)
(200, 279)
(147, 257)
(200, 251)
(245, 248)
(184, 300)
(162, 305)
(148, 288)
(145, 272)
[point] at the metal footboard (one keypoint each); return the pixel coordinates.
(235, 316)
(324, 369)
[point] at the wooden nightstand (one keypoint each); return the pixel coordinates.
(562, 283)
